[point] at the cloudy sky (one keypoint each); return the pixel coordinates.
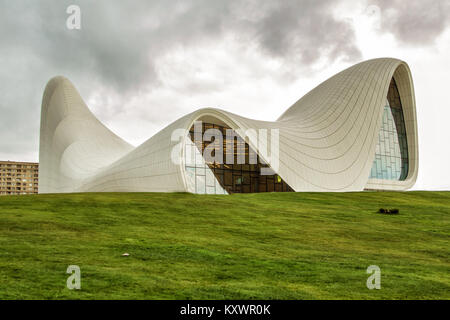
(140, 65)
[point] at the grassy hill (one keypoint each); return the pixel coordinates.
(251, 246)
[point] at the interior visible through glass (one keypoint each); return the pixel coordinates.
(391, 155)
(222, 178)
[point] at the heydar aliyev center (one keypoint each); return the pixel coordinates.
(355, 131)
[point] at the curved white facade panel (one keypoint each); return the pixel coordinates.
(327, 139)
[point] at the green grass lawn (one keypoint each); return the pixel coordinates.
(251, 246)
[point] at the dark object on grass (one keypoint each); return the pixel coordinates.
(388, 211)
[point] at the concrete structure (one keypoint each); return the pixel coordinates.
(355, 131)
(18, 177)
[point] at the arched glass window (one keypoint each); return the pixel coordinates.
(391, 154)
(235, 176)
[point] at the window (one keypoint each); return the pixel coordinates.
(240, 176)
(391, 155)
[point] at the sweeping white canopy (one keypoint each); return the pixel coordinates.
(327, 138)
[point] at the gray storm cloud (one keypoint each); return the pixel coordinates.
(305, 31)
(414, 22)
(120, 41)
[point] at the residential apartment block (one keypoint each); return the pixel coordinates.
(18, 177)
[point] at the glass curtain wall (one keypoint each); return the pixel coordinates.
(221, 178)
(391, 155)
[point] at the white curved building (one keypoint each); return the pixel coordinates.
(355, 131)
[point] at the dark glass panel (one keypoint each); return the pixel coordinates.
(236, 177)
